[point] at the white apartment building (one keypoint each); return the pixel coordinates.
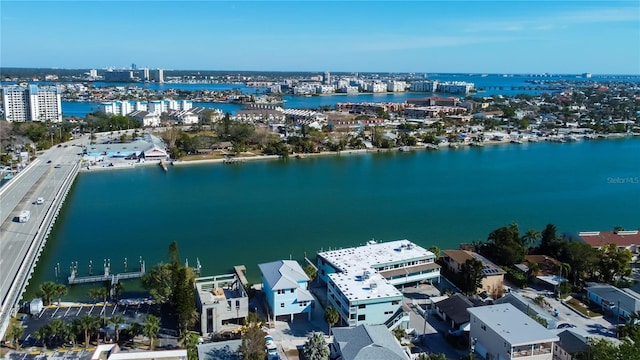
(376, 87)
(122, 107)
(455, 87)
(162, 106)
(32, 103)
(325, 89)
(396, 86)
(424, 86)
(361, 281)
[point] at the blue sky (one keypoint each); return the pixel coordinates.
(385, 36)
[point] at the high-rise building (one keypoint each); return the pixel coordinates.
(327, 78)
(159, 76)
(93, 73)
(145, 74)
(134, 67)
(32, 103)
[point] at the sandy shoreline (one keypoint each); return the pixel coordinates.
(119, 164)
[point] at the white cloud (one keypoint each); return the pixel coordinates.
(557, 20)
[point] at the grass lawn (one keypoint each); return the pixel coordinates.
(582, 308)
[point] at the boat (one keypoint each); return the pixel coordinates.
(163, 165)
(454, 145)
(533, 140)
(432, 147)
(476, 144)
(404, 148)
(570, 138)
(516, 141)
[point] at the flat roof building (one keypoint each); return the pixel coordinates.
(32, 103)
(504, 332)
(361, 281)
(222, 302)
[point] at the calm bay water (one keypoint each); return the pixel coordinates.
(267, 210)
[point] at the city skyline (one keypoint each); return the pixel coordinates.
(358, 36)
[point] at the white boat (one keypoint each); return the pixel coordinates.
(516, 141)
(570, 138)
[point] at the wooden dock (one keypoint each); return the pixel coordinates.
(240, 270)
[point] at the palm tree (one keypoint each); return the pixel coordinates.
(151, 328)
(116, 321)
(60, 290)
(14, 333)
(531, 237)
(331, 316)
(47, 291)
(189, 341)
(86, 324)
(100, 293)
(565, 268)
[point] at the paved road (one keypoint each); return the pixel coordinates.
(42, 178)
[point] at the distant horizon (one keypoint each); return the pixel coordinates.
(319, 72)
(497, 37)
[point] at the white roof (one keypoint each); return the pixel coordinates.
(374, 254)
(357, 287)
(512, 324)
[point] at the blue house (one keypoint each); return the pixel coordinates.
(285, 286)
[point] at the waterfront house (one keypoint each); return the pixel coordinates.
(617, 302)
(285, 286)
(629, 240)
(493, 275)
(222, 303)
(504, 332)
(366, 342)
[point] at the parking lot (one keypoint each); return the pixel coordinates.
(132, 311)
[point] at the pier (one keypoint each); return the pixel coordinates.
(240, 271)
(230, 160)
(74, 279)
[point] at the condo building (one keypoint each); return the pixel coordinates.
(32, 103)
(361, 281)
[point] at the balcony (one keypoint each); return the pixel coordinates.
(532, 350)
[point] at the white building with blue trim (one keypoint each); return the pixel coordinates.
(285, 285)
(361, 281)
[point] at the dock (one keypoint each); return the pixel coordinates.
(163, 165)
(113, 279)
(240, 271)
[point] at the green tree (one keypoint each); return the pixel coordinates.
(189, 340)
(253, 343)
(87, 325)
(531, 237)
(614, 262)
(505, 246)
(47, 291)
(549, 242)
(100, 293)
(311, 272)
(436, 251)
(117, 321)
(14, 333)
(315, 348)
(471, 276)
(331, 316)
(60, 290)
(602, 349)
(151, 328)
(158, 282)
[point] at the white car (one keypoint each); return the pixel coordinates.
(39, 201)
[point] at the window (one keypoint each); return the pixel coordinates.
(362, 306)
(483, 327)
(352, 316)
(281, 305)
(395, 302)
(361, 317)
(388, 312)
(292, 291)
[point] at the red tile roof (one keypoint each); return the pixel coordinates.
(619, 238)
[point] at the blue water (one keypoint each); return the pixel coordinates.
(266, 210)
